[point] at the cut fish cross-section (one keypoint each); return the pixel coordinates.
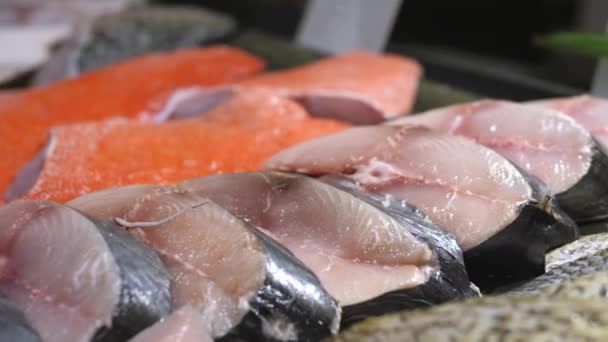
(184, 325)
(372, 262)
(78, 279)
(243, 282)
(358, 87)
(504, 221)
(545, 143)
(587, 201)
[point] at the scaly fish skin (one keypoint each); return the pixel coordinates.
(597, 262)
(139, 88)
(585, 246)
(491, 318)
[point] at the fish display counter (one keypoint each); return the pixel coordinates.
(192, 181)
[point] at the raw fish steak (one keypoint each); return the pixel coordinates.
(139, 88)
(589, 111)
(544, 142)
(237, 136)
(360, 87)
(14, 325)
(243, 283)
(487, 203)
(374, 255)
(77, 278)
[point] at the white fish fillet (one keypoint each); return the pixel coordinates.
(190, 247)
(543, 142)
(68, 302)
(357, 251)
(591, 112)
(469, 190)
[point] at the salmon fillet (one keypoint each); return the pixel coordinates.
(360, 87)
(237, 136)
(138, 88)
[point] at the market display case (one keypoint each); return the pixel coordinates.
(291, 170)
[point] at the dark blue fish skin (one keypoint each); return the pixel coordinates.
(13, 324)
(515, 254)
(291, 302)
(144, 296)
(145, 284)
(587, 200)
(291, 292)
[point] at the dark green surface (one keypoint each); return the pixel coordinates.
(280, 53)
(580, 43)
(433, 95)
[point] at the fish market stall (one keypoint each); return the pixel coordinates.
(301, 171)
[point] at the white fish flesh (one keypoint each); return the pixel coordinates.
(76, 278)
(465, 188)
(543, 142)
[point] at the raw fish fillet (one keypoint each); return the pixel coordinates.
(76, 278)
(116, 37)
(448, 178)
(33, 29)
(591, 112)
(184, 325)
(545, 143)
(243, 283)
(139, 88)
(238, 136)
(487, 203)
(360, 87)
(587, 200)
(372, 256)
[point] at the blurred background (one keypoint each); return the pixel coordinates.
(478, 46)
